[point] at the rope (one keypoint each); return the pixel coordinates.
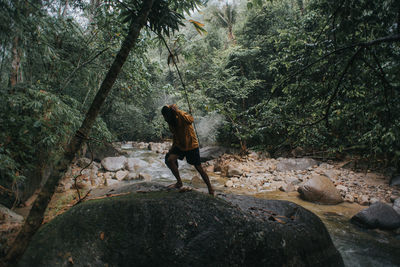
(183, 84)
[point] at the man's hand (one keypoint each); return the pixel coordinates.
(174, 107)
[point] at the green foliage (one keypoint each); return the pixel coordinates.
(35, 125)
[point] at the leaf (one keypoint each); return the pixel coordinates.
(198, 26)
(102, 236)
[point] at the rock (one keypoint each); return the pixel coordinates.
(196, 180)
(101, 151)
(349, 198)
(7, 215)
(144, 176)
(374, 200)
(292, 180)
(211, 152)
(331, 174)
(134, 164)
(233, 170)
(83, 162)
(287, 188)
(289, 164)
(320, 189)
(342, 188)
(131, 176)
(396, 205)
(395, 180)
(378, 215)
(110, 182)
(114, 163)
(120, 175)
(363, 200)
(182, 229)
(209, 168)
(108, 175)
(229, 183)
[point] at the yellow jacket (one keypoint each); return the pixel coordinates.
(184, 135)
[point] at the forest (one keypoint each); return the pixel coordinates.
(316, 78)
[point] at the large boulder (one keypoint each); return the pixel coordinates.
(135, 164)
(320, 189)
(114, 164)
(101, 151)
(169, 228)
(378, 215)
(212, 152)
(289, 164)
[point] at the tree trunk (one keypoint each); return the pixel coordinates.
(16, 55)
(35, 217)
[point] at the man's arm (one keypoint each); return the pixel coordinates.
(182, 114)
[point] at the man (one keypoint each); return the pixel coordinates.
(185, 144)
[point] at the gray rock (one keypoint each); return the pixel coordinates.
(101, 151)
(134, 164)
(114, 163)
(320, 189)
(120, 175)
(378, 215)
(395, 180)
(212, 152)
(363, 200)
(289, 164)
(144, 176)
(233, 171)
(7, 215)
(396, 205)
(83, 162)
(168, 228)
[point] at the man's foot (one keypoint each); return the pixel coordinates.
(176, 185)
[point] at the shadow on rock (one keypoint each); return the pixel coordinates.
(159, 227)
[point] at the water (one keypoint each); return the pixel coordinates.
(358, 247)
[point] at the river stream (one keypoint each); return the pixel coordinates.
(359, 247)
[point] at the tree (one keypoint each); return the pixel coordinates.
(139, 15)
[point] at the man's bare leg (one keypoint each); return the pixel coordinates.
(204, 175)
(172, 158)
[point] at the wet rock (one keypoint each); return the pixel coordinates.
(320, 189)
(120, 175)
(288, 164)
(378, 215)
(134, 164)
(138, 229)
(114, 163)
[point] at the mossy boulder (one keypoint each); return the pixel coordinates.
(169, 228)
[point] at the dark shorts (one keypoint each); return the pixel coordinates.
(192, 156)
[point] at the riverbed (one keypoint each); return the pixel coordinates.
(359, 247)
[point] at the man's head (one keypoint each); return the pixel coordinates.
(169, 115)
